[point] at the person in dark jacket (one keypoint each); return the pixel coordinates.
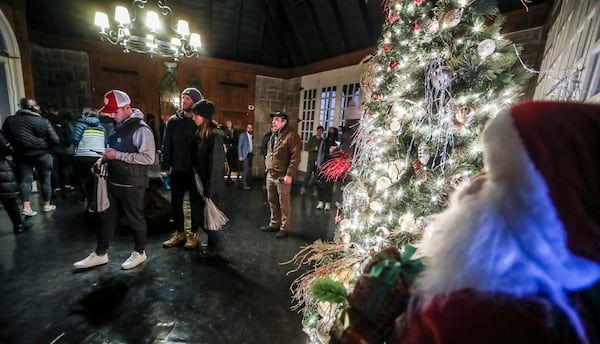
(231, 149)
(9, 188)
(31, 136)
(176, 163)
(209, 155)
(61, 167)
(325, 153)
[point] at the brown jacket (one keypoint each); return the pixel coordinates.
(283, 159)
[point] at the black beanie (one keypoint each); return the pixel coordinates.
(193, 93)
(204, 108)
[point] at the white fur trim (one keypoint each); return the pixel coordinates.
(506, 238)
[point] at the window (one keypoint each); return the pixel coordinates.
(349, 92)
(331, 111)
(324, 98)
(327, 109)
(307, 125)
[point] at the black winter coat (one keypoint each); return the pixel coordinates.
(9, 188)
(29, 133)
(209, 162)
(178, 144)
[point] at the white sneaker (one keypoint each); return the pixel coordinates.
(90, 261)
(28, 212)
(134, 260)
(327, 206)
(49, 207)
(320, 205)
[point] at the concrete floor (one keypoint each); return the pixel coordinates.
(172, 298)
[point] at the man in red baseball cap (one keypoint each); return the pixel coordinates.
(131, 150)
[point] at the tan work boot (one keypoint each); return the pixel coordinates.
(192, 240)
(176, 239)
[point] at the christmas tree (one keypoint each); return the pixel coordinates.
(441, 70)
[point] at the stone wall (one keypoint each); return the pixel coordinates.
(272, 95)
(61, 78)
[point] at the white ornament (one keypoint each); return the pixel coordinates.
(395, 125)
(345, 224)
(398, 111)
(406, 221)
(423, 153)
(383, 183)
(382, 232)
(375, 206)
(345, 237)
(433, 25)
(396, 170)
(441, 78)
(377, 164)
(486, 48)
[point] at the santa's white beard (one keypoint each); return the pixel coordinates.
(506, 240)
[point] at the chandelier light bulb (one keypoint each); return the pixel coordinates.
(195, 42)
(183, 28)
(151, 41)
(122, 15)
(152, 21)
(101, 20)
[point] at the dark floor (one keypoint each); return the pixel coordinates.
(172, 298)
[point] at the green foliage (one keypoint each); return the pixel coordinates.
(326, 289)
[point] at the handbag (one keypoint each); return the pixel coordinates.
(214, 218)
(100, 201)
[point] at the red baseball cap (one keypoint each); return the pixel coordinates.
(113, 100)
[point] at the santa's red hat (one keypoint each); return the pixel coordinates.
(560, 141)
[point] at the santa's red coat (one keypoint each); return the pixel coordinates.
(467, 316)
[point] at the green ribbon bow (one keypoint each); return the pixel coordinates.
(389, 270)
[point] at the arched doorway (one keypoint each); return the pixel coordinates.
(11, 74)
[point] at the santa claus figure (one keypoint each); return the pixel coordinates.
(516, 256)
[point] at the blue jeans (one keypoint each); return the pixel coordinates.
(43, 167)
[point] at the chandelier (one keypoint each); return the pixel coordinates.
(158, 40)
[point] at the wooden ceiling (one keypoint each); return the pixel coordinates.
(275, 33)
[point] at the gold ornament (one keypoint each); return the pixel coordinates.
(343, 275)
(453, 17)
(387, 35)
(395, 125)
(419, 170)
(465, 115)
(406, 221)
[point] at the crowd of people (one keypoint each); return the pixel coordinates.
(117, 143)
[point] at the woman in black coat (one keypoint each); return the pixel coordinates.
(325, 153)
(209, 162)
(9, 188)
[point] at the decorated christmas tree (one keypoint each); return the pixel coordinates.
(441, 70)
